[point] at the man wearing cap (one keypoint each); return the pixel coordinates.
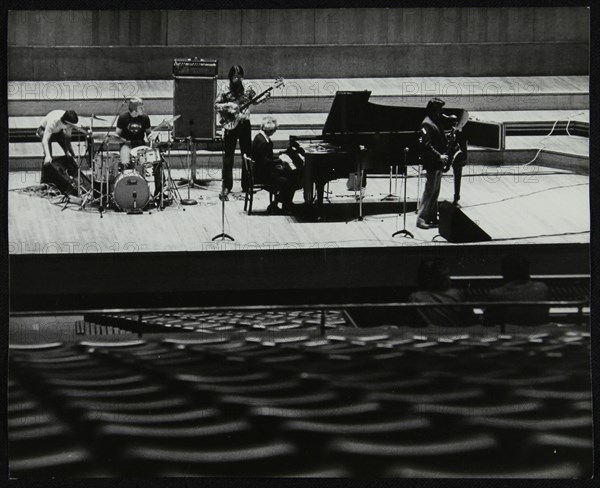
(57, 126)
(433, 144)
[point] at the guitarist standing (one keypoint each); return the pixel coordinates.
(229, 101)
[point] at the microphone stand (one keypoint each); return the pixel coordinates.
(223, 236)
(404, 232)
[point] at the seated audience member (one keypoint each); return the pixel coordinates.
(434, 286)
(280, 172)
(517, 286)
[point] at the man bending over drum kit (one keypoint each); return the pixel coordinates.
(57, 126)
(134, 126)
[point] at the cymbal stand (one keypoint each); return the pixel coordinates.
(90, 155)
(100, 198)
(190, 146)
(171, 187)
(102, 145)
(66, 199)
(404, 232)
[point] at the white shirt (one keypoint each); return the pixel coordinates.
(52, 123)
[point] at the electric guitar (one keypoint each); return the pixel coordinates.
(231, 116)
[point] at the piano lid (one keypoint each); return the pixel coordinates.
(352, 113)
(346, 112)
(353, 120)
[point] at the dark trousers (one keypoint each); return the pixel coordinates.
(242, 132)
(286, 182)
(457, 171)
(457, 167)
(429, 202)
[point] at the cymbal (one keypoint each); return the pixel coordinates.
(95, 117)
(111, 138)
(166, 122)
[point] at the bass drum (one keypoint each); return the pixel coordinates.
(131, 191)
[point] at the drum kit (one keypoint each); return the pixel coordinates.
(126, 188)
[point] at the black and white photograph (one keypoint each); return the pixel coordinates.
(308, 242)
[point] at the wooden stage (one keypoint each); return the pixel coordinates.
(512, 204)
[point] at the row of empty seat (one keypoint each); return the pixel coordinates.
(282, 401)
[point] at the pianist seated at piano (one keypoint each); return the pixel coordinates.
(282, 173)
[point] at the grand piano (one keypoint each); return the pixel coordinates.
(361, 136)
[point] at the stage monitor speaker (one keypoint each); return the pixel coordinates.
(62, 173)
(194, 99)
(455, 226)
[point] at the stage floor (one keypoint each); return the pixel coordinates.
(513, 204)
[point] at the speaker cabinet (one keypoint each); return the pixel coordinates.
(194, 99)
(455, 226)
(62, 173)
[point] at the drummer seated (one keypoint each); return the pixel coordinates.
(279, 172)
(134, 126)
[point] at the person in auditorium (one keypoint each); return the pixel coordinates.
(281, 172)
(434, 286)
(57, 126)
(229, 100)
(134, 126)
(433, 146)
(518, 286)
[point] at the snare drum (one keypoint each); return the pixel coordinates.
(106, 164)
(131, 191)
(142, 159)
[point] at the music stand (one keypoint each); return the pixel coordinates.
(392, 196)
(404, 232)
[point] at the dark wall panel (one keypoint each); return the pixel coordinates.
(569, 24)
(204, 27)
(50, 27)
(296, 26)
(277, 27)
(307, 62)
(351, 26)
(129, 27)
